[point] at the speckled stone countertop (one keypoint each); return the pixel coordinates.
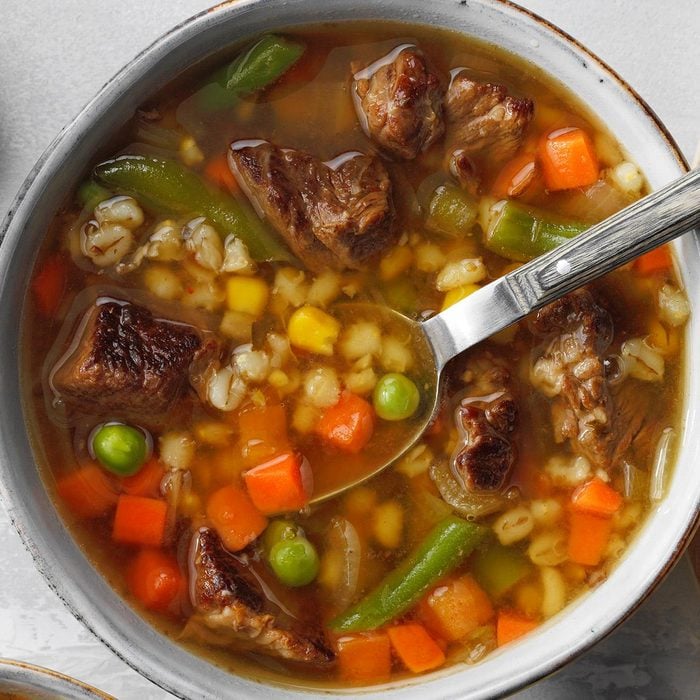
(54, 55)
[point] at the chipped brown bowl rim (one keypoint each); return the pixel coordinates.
(44, 683)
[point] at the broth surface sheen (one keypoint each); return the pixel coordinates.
(190, 380)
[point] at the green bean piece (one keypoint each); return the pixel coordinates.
(261, 65)
(445, 547)
(498, 568)
(520, 233)
(90, 194)
(167, 186)
(451, 211)
(120, 448)
(295, 562)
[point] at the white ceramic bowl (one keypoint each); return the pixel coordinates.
(66, 569)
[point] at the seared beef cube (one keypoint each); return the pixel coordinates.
(570, 369)
(228, 599)
(484, 119)
(336, 214)
(399, 103)
(486, 417)
(124, 361)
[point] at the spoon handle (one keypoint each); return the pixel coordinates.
(637, 229)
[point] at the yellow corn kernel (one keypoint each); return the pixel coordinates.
(278, 378)
(314, 330)
(528, 598)
(190, 504)
(190, 152)
(664, 340)
(305, 418)
(213, 432)
(506, 336)
(395, 262)
(237, 325)
(360, 501)
(574, 572)
(247, 295)
(387, 524)
(457, 294)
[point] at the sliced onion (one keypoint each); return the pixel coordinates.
(636, 481)
(344, 542)
(594, 203)
(172, 485)
(662, 456)
(470, 504)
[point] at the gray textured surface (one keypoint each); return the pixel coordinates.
(54, 55)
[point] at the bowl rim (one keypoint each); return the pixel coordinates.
(31, 676)
(39, 176)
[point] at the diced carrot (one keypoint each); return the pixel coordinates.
(233, 515)
(154, 578)
(515, 177)
(415, 647)
(455, 608)
(568, 159)
(511, 625)
(139, 520)
(146, 481)
(365, 658)
(218, 173)
(87, 492)
(49, 285)
(588, 537)
(263, 433)
(655, 260)
(282, 484)
(349, 424)
(597, 498)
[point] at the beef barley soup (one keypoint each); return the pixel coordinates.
(193, 379)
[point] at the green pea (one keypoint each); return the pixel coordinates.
(120, 448)
(295, 562)
(278, 531)
(395, 397)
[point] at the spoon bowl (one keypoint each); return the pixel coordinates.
(647, 224)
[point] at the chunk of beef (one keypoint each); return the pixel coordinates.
(577, 332)
(124, 361)
(337, 214)
(227, 599)
(486, 417)
(483, 120)
(399, 102)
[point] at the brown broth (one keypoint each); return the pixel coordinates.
(310, 108)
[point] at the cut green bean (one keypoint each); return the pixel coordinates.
(169, 187)
(520, 233)
(446, 546)
(261, 65)
(90, 194)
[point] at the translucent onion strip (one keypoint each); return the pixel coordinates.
(662, 456)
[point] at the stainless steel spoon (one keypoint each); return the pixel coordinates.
(637, 229)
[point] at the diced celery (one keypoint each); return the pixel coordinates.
(400, 294)
(451, 211)
(498, 568)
